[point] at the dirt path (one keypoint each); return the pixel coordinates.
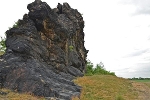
(143, 90)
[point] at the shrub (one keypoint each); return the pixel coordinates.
(98, 70)
(2, 45)
(89, 68)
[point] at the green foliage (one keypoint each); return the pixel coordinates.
(89, 68)
(71, 48)
(2, 45)
(98, 70)
(140, 78)
(16, 24)
(2, 42)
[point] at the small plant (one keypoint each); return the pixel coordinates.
(2, 41)
(16, 24)
(71, 48)
(119, 97)
(2, 45)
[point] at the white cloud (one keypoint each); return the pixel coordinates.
(131, 70)
(142, 6)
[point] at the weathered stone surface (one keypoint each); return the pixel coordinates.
(45, 52)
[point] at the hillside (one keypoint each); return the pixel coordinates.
(97, 87)
(106, 87)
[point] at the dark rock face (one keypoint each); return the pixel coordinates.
(45, 52)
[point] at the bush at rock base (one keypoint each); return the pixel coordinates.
(97, 70)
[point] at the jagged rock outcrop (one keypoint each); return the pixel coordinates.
(45, 52)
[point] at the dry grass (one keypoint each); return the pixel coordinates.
(97, 87)
(148, 84)
(18, 96)
(106, 87)
(75, 98)
(1, 53)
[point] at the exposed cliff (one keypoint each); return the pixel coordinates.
(45, 52)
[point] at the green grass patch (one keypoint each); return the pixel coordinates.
(146, 80)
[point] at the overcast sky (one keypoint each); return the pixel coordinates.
(117, 32)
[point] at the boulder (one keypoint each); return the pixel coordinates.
(45, 52)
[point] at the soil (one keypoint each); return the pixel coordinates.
(142, 89)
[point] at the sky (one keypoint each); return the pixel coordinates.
(117, 32)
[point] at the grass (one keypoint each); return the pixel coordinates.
(96, 87)
(106, 87)
(146, 80)
(148, 84)
(12, 95)
(1, 53)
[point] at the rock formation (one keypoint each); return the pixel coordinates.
(45, 52)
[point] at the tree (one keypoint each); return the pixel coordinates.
(89, 68)
(98, 70)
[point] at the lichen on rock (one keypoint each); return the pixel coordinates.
(38, 59)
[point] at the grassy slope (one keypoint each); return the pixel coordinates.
(97, 87)
(106, 87)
